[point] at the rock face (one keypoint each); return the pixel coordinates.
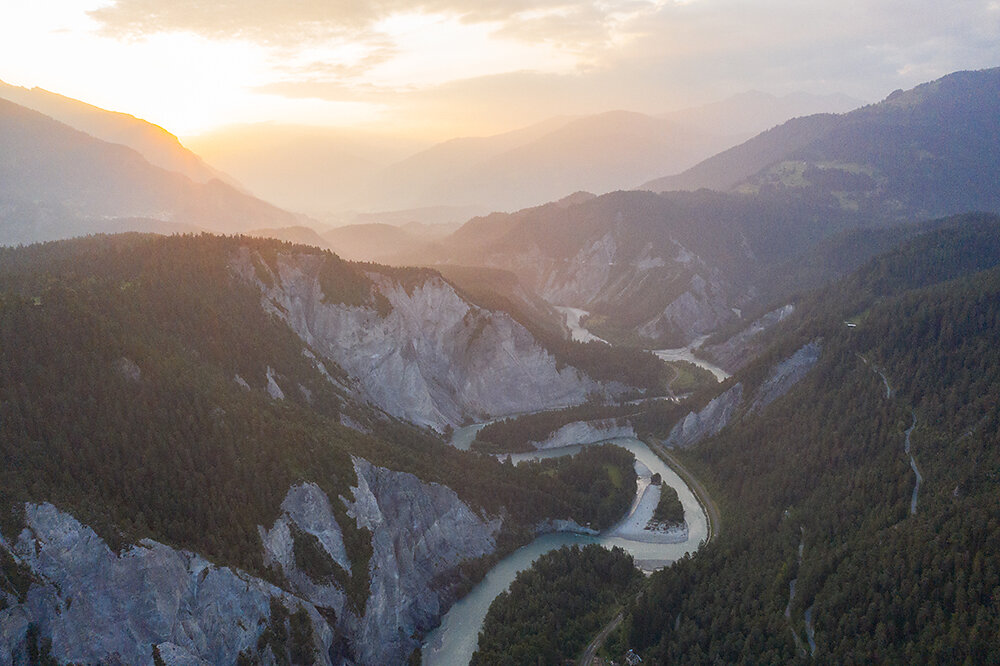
(654, 271)
(99, 606)
(610, 275)
(419, 532)
(740, 349)
(307, 509)
(585, 432)
(581, 279)
(785, 375)
(426, 355)
(696, 426)
(700, 309)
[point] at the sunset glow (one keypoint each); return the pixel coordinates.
(192, 66)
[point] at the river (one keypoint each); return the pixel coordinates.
(577, 332)
(455, 640)
(687, 354)
(580, 334)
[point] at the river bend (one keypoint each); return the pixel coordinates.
(455, 640)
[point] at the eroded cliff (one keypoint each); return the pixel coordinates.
(80, 601)
(413, 345)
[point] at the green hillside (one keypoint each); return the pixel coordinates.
(133, 394)
(882, 577)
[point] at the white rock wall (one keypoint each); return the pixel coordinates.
(585, 432)
(435, 359)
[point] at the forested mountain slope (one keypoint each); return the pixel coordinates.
(929, 151)
(860, 508)
(162, 422)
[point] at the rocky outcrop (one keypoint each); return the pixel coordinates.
(700, 309)
(585, 432)
(581, 279)
(419, 532)
(307, 509)
(273, 389)
(611, 275)
(785, 375)
(563, 525)
(742, 347)
(426, 354)
(697, 426)
(95, 605)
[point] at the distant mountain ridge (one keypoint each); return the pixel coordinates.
(928, 151)
(663, 269)
(57, 182)
(157, 145)
(508, 171)
(376, 241)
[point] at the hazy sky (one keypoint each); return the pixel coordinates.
(449, 67)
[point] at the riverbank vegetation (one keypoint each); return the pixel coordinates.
(516, 434)
(689, 378)
(554, 608)
(598, 483)
(669, 510)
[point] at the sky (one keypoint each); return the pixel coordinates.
(442, 68)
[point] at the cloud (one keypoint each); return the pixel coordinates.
(360, 36)
(580, 56)
(264, 21)
(288, 23)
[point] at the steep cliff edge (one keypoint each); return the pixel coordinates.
(786, 374)
(649, 293)
(89, 604)
(419, 533)
(585, 432)
(415, 347)
(85, 603)
(696, 426)
(742, 347)
(726, 407)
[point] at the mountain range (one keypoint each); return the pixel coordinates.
(663, 269)
(320, 173)
(927, 151)
(232, 449)
(57, 182)
(158, 146)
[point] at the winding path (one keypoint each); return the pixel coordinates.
(791, 600)
(588, 655)
(906, 442)
(913, 466)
